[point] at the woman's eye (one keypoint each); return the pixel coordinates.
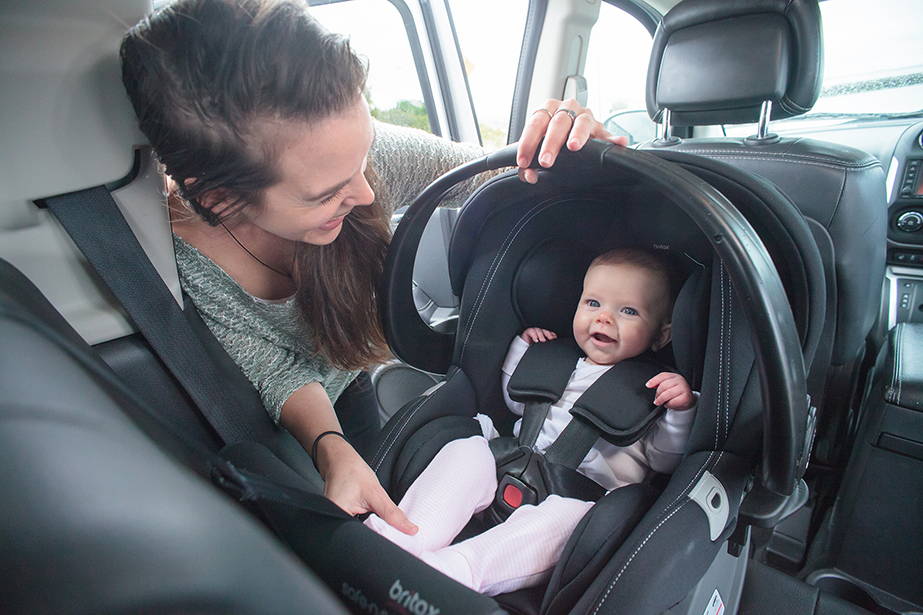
(331, 197)
(592, 303)
(629, 311)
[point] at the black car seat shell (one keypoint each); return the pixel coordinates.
(599, 198)
(716, 62)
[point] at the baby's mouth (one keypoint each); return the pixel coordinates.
(602, 338)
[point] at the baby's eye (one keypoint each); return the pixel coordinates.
(593, 303)
(630, 311)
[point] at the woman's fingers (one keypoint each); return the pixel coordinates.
(555, 125)
(385, 508)
(533, 132)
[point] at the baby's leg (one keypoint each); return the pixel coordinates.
(460, 481)
(520, 552)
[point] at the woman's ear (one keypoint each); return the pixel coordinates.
(663, 337)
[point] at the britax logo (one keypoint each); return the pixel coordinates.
(411, 601)
(404, 600)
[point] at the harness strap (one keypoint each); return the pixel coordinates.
(533, 417)
(573, 444)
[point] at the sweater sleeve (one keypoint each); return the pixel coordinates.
(406, 160)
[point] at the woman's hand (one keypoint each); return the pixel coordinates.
(556, 122)
(352, 485)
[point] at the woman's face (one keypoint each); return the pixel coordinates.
(321, 167)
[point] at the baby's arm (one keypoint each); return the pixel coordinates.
(665, 445)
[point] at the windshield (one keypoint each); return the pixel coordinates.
(872, 58)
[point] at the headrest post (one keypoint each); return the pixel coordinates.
(762, 130)
(665, 128)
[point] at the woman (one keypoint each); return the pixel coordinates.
(258, 118)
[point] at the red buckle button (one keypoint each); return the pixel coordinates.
(512, 496)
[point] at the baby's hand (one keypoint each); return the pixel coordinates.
(535, 334)
(672, 391)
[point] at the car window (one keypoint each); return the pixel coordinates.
(490, 39)
(616, 73)
(376, 31)
(872, 64)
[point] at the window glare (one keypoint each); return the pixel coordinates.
(490, 38)
(376, 32)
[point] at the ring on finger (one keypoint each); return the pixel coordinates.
(570, 113)
(543, 110)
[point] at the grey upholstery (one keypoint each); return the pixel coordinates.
(97, 517)
(771, 50)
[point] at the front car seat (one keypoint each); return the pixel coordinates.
(718, 62)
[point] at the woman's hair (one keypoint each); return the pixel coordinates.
(208, 80)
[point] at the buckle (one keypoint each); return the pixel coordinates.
(513, 493)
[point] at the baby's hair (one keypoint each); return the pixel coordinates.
(657, 262)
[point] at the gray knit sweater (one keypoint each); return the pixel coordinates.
(267, 339)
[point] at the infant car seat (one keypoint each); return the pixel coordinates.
(517, 259)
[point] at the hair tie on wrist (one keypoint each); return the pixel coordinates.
(317, 440)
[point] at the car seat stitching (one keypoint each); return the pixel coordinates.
(632, 557)
(892, 393)
(508, 242)
(899, 363)
(785, 156)
(397, 436)
(482, 291)
(380, 455)
(495, 266)
(720, 355)
(819, 164)
(701, 470)
(727, 384)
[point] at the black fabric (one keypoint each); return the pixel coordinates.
(357, 411)
(93, 220)
(688, 333)
(544, 370)
(714, 62)
(548, 284)
(619, 404)
(595, 539)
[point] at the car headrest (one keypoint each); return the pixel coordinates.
(66, 122)
(549, 281)
(715, 62)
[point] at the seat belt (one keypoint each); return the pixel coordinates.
(93, 220)
(244, 484)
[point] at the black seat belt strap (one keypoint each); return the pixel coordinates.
(572, 444)
(93, 220)
(533, 417)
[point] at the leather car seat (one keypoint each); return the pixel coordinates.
(718, 62)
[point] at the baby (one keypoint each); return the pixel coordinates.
(624, 311)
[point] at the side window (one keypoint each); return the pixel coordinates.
(376, 31)
(490, 38)
(616, 73)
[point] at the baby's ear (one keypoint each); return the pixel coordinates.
(663, 336)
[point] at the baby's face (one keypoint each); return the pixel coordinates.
(622, 312)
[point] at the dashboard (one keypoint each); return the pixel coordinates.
(905, 227)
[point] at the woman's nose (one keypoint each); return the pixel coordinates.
(361, 193)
